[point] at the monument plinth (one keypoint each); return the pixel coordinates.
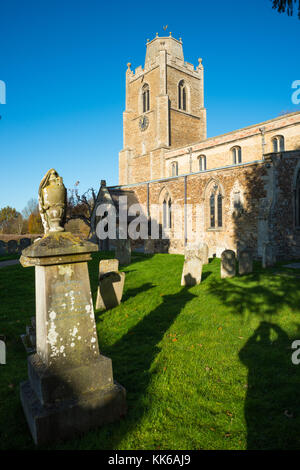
(70, 386)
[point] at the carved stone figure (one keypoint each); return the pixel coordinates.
(52, 202)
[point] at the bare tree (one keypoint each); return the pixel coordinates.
(286, 6)
(81, 206)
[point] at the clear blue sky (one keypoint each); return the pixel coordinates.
(64, 64)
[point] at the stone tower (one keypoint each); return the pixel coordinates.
(164, 110)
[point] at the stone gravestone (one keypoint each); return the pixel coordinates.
(205, 259)
(24, 243)
(149, 246)
(192, 267)
(12, 246)
(3, 248)
(228, 264)
(70, 386)
(123, 251)
(268, 258)
(245, 262)
(111, 285)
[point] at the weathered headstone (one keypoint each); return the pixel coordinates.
(192, 267)
(245, 262)
(123, 251)
(12, 246)
(204, 248)
(149, 246)
(3, 248)
(24, 243)
(228, 264)
(111, 284)
(70, 386)
(268, 258)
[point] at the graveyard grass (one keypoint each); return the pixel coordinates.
(206, 367)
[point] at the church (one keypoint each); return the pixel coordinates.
(245, 183)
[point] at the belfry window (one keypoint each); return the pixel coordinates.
(236, 153)
(278, 143)
(146, 98)
(174, 168)
(182, 95)
(202, 162)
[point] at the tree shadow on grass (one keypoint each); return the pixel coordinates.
(261, 294)
(272, 409)
(133, 355)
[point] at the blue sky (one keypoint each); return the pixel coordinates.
(64, 63)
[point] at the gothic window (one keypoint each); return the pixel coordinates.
(202, 162)
(278, 143)
(146, 98)
(215, 206)
(182, 95)
(174, 168)
(236, 153)
(220, 215)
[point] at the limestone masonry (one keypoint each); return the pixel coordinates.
(246, 182)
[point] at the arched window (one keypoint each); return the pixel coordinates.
(212, 210)
(182, 95)
(174, 168)
(236, 153)
(278, 143)
(202, 162)
(146, 98)
(167, 212)
(214, 195)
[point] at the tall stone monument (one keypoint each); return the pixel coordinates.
(70, 386)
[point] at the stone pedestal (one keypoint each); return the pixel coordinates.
(111, 285)
(70, 386)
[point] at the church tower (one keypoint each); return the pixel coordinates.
(164, 110)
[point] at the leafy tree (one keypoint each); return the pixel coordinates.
(287, 6)
(32, 219)
(8, 219)
(35, 223)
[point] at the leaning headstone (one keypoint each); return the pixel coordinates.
(3, 248)
(228, 264)
(204, 248)
(123, 251)
(268, 258)
(24, 243)
(192, 267)
(70, 387)
(245, 262)
(111, 285)
(12, 246)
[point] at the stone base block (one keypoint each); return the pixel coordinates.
(68, 418)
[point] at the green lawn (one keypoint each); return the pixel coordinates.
(207, 367)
